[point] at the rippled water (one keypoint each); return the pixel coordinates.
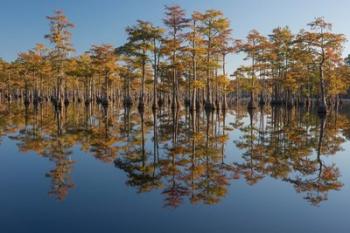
(89, 169)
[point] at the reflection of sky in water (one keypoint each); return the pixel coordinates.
(100, 200)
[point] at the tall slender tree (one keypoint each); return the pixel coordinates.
(104, 59)
(252, 47)
(176, 21)
(323, 44)
(60, 37)
(215, 29)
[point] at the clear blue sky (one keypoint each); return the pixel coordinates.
(23, 22)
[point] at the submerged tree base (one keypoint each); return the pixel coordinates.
(322, 110)
(262, 102)
(209, 107)
(127, 102)
(251, 105)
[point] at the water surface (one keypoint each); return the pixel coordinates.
(89, 169)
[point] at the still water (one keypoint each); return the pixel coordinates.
(88, 169)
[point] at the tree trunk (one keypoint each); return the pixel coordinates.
(322, 108)
(155, 78)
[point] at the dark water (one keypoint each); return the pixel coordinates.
(91, 170)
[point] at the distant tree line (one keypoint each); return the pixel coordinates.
(183, 63)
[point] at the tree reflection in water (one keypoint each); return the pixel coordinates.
(183, 154)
